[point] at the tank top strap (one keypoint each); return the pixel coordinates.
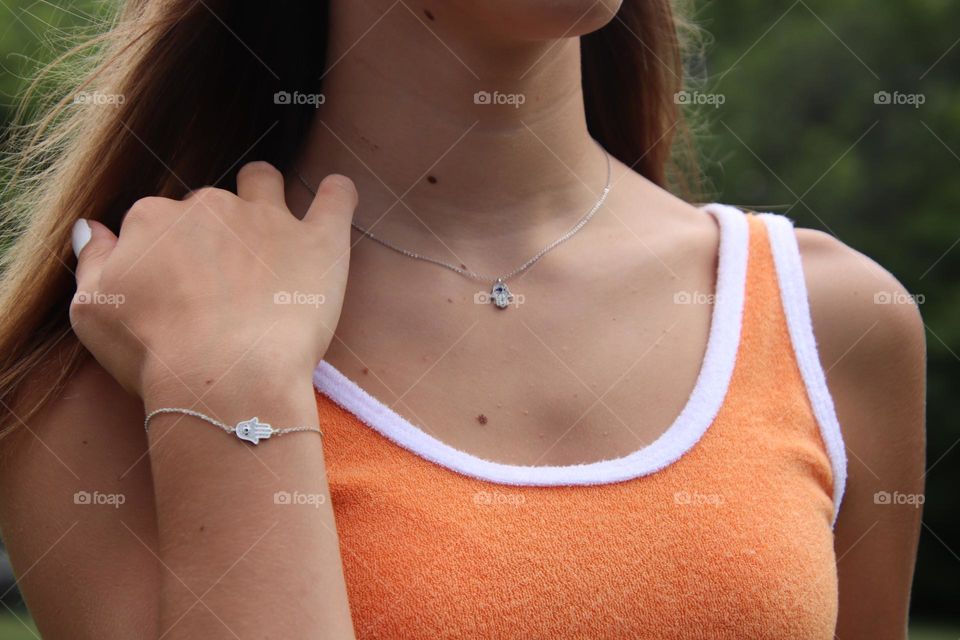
(788, 266)
(777, 354)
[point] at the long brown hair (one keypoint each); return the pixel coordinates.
(191, 92)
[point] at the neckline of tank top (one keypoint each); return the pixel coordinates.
(698, 414)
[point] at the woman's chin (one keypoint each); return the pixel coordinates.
(536, 19)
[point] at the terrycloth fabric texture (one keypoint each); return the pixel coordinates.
(733, 540)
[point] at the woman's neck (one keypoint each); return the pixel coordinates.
(472, 135)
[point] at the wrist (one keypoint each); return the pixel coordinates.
(233, 393)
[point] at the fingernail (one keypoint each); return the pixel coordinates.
(81, 235)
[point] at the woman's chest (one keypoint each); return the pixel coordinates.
(614, 561)
(524, 387)
(707, 547)
(586, 368)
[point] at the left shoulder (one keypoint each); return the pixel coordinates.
(864, 318)
(870, 339)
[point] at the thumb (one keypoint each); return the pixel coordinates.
(333, 204)
(92, 243)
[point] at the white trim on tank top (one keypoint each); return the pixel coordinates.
(796, 307)
(696, 417)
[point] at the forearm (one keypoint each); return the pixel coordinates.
(196, 300)
(236, 560)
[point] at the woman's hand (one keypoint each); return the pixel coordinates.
(225, 303)
(216, 282)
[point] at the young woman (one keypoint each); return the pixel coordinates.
(650, 439)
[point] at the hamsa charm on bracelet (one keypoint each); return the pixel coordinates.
(253, 431)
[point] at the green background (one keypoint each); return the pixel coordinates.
(799, 132)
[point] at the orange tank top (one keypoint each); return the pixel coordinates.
(721, 528)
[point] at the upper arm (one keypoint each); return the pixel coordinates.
(77, 513)
(871, 344)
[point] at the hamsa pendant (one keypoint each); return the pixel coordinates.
(500, 295)
(253, 431)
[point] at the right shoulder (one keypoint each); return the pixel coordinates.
(50, 400)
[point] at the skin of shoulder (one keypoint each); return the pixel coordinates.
(871, 343)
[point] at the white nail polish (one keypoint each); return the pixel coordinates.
(81, 235)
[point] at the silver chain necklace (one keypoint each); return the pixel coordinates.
(500, 295)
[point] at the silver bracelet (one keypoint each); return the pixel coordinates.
(252, 430)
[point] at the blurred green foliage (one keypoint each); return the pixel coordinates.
(799, 132)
